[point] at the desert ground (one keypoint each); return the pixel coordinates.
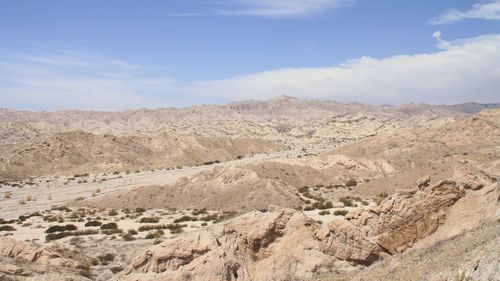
(285, 189)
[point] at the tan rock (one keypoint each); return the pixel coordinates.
(284, 244)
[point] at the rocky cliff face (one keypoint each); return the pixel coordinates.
(283, 244)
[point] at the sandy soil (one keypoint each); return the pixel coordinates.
(54, 192)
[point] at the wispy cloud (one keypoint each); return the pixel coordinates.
(486, 10)
(69, 80)
(280, 8)
(266, 8)
(461, 71)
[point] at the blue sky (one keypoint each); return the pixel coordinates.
(113, 55)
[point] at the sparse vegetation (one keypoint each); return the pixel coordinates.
(61, 228)
(149, 220)
(184, 219)
(110, 225)
(351, 182)
(340, 213)
(7, 228)
(143, 228)
(93, 223)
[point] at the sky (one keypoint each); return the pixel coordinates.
(122, 54)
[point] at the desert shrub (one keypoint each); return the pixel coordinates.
(50, 218)
(113, 213)
(104, 259)
(128, 237)
(80, 198)
(140, 210)
(132, 232)
(340, 213)
(110, 225)
(61, 228)
(116, 269)
(347, 201)
(2, 221)
(143, 228)
(309, 208)
(304, 189)
(204, 224)
(149, 220)
(93, 223)
(323, 213)
(199, 212)
(57, 236)
(111, 231)
(351, 182)
(157, 241)
(175, 228)
(184, 219)
(322, 205)
(7, 228)
(383, 195)
(154, 235)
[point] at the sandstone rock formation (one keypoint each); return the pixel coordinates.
(35, 261)
(283, 244)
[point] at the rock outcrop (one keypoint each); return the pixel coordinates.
(284, 244)
(392, 227)
(32, 261)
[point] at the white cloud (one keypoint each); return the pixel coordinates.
(279, 8)
(466, 70)
(442, 44)
(76, 81)
(460, 71)
(486, 10)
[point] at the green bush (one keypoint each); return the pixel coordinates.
(155, 235)
(347, 201)
(340, 213)
(322, 205)
(175, 228)
(110, 225)
(199, 212)
(143, 228)
(93, 223)
(61, 228)
(149, 220)
(57, 236)
(7, 228)
(116, 269)
(183, 219)
(351, 182)
(128, 237)
(104, 259)
(111, 231)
